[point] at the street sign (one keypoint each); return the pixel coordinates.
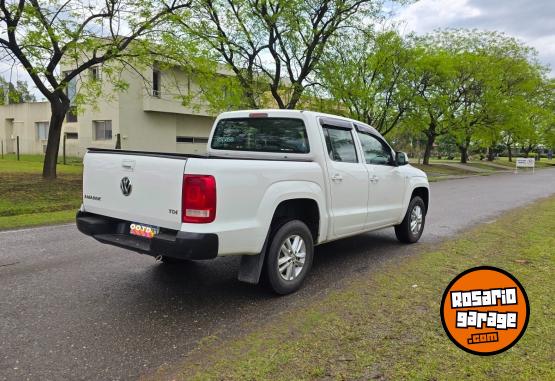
(525, 162)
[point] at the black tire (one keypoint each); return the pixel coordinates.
(174, 261)
(274, 279)
(403, 230)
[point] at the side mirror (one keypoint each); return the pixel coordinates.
(401, 158)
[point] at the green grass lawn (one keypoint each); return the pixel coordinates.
(543, 163)
(483, 166)
(502, 160)
(440, 171)
(26, 199)
(386, 325)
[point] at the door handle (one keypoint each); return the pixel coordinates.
(337, 177)
(374, 179)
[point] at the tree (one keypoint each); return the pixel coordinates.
(538, 118)
(271, 46)
(18, 93)
(78, 33)
(509, 96)
(435, 83)
(501, 71)
(473, 113)
(548, 129)
(368, 74)
(471, 85)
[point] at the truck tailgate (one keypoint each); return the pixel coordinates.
(135, 188)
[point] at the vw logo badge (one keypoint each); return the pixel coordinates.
(125, 186)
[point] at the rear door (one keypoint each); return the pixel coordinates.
(348, 178)
(135, 188)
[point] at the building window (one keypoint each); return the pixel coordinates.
(95, 73)
(156, 77)
(71, 116)
(191, 139)
(42, 130)
(102, 129)
(71, 92)
(71, 88)
(72, 135)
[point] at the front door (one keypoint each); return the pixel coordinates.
(348, 180)
(387, 182)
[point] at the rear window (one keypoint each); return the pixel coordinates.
(261, 135)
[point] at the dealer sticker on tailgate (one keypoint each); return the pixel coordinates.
(146, 231)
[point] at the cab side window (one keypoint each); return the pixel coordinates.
(340, 144)
(375, 151)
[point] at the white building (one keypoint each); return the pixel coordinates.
(148, 116)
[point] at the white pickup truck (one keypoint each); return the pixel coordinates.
(274, 184)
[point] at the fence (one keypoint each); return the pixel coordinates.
(17, 146)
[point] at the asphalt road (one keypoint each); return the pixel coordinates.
(72, 308)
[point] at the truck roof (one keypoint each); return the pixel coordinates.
(291, 113)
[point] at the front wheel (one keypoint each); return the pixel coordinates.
(410, 230)
(289, 257)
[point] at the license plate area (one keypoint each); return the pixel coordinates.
(142, 230)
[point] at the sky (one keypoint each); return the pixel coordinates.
(533, 22)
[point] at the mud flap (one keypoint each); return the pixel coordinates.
(251, 266)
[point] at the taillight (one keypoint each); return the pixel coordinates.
(198, 205)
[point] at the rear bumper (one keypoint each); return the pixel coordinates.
(170, 243)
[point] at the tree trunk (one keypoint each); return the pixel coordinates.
(247, 86)
(510, 152)
(491, 154)
(295, 97)
(464, 154)
(251, 99)
(429, 146)
(528, 150)
(59, 108)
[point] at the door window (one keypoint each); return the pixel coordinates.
(340, 144)
(375, 151)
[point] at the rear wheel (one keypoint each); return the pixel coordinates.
(410, 230)
(289, 257)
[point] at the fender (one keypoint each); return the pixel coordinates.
(251, 265)
(413, 182)
(290, 190)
